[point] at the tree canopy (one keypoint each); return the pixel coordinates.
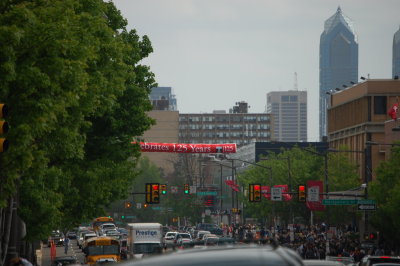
(385, 190)
(304, 166)
(70, 73)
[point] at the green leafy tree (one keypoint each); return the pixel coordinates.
(385, 190)
(71, 74)
(304, 166)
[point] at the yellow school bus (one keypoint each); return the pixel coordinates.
(101, 220)
(101, 249)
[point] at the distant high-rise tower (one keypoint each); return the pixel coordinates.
(396, 54)
(338, 61)
(163, 99)
(289, 110)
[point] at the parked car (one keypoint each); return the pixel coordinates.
(218, 256)
(344, 260)
(57, 238)
(71, 234)
(184, 239)
(322, 263)
(85, 237)
(213, 228)
(170, 239)
(64, 260)
(372, 260)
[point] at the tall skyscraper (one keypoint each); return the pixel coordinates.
(396, 54)
(338, 61)
(163, 99)
(289, 110)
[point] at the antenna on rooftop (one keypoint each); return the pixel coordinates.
(296, 88)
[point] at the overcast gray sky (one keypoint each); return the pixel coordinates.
(214, 53)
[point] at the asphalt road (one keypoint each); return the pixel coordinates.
(73, 250)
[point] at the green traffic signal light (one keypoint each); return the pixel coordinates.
(186, 189)
(123, 217)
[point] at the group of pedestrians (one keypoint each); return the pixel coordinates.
(311, 242)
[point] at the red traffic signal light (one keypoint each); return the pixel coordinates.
(152, 193)
(302, 193)
(254, 192)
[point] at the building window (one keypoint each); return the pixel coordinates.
(380, 105)
(285, 98)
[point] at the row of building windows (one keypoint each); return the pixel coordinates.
(224, 127)
(225, 118)
(236, 141)
(224, 134)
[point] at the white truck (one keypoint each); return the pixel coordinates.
(145, 239)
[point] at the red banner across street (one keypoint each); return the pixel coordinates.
(187, 148)
(233, 185)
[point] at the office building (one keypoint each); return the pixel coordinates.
(163, 99)
(165, 130)
(338, 66)
(289, 109)
(238, 127)
(396, 55)
(358, 116)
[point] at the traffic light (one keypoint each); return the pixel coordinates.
(372, 236)
(155, 193)
(186, 189)
(163, 189)
(152, 193)
(254, 192)
(128, 205)
(123, 216)
(302, 193)
(3, 127)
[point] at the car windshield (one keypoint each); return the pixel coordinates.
(185, 236)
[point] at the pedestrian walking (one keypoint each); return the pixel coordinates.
(66, 244)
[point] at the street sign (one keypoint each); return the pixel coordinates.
(313, 194)
(367, 207)
(276, 194)
(174, 189)
(193, 189)
(338, 202)
(366, 201)
(346, 202)
(207, 193)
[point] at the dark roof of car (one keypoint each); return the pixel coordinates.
(322, 263)
(232, 256)
(380, 259)
(64, 260)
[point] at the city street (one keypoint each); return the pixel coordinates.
(73, 250)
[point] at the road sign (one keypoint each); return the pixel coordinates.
(339, 202)
(313, 194)
(276, 194)
(174, 189)
(367, 207)
(193, 189)
(366, 201)
(207, 193)
(346, 202)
